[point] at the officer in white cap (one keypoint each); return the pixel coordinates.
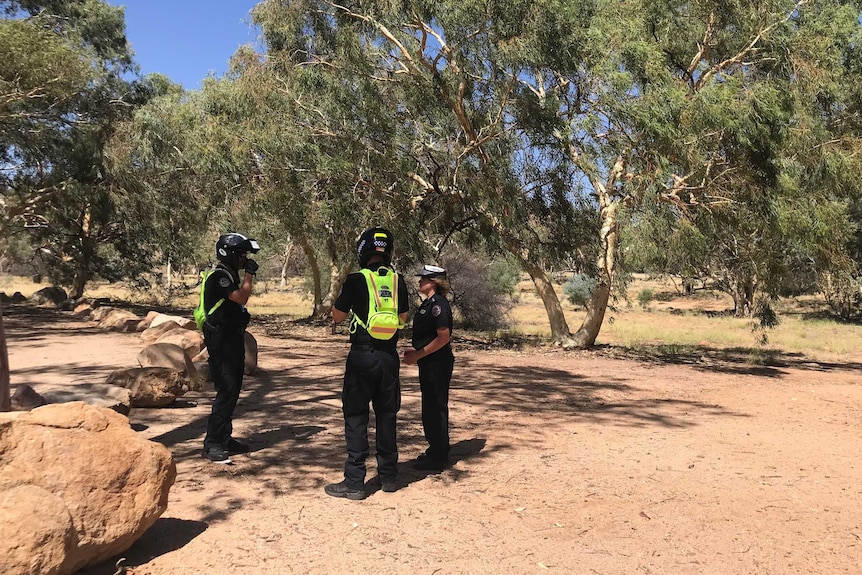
(432, 352)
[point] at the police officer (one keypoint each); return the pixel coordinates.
(372, 370)
(225, 297)
(432, 351)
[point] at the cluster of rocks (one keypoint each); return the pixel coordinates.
(78, 485)
(51, 296)
(172, 361)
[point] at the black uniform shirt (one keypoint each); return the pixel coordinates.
(434, 313)
(229, 315)
(354, 295)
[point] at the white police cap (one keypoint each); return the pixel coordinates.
(429, 271)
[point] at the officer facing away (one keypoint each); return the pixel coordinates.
(372, 370)
(225, 298)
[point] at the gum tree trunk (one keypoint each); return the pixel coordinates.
(556, 317)
(315, 274)
(5, 397)
(598, 304)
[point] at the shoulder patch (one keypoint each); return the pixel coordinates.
(436, 310)
(223, 282)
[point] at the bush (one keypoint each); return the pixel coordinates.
(578, 289)
(481, 289)
(645, 297)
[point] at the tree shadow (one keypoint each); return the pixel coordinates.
(285, 412)
(291, 416)
(31, 324)
(167, 534)
(555, 393)
(79, 374)
(460, 451)
(755, 361)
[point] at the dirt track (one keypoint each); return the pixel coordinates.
(566, 462)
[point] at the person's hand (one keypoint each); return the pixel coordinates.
(251, 266)
(409, 355)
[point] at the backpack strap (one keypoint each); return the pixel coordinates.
(217, 305)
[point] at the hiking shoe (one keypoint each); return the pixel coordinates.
(343, 490)
(389, 486)
(216, 454)
(235, 446)
(425, 463)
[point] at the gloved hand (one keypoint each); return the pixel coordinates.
(251, 266)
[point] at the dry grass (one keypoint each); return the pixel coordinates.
(670, 321)
(701, 320)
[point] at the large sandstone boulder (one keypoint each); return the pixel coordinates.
(151, 386)
(250, 354)
(120, 320)
(77, 487)
(100, 312)
(202, 380)
(25, 398)
(154, 332)
(191, 341)
(148, 320)
(96, 394)
(83, 310)
(49, 296)
(183, 322)
(167, 355)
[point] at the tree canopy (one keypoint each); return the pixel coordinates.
(715, 141)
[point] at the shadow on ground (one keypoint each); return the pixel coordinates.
(167, 534)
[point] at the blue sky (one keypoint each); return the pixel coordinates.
(186, 40)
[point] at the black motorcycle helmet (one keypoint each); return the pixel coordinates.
(231, 246)
(374, 241)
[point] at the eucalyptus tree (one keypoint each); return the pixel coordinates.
(34, 99)
(750, 167)
(540, 122)
(330, 148)
(57, 122)
(159, 157)
(435, 68)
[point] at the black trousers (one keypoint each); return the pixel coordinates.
(370, 377)
(226, 363)
(435, 373)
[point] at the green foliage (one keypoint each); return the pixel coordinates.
(717, 141)
(578, 289)
(504, 274)
(758, 171)
(645, 297)
(767, 319)
(63, 83)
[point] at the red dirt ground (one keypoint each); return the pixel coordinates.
(566, 462)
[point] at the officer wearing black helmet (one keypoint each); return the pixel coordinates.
(432, 351)
(372, 370)
(225, 297)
